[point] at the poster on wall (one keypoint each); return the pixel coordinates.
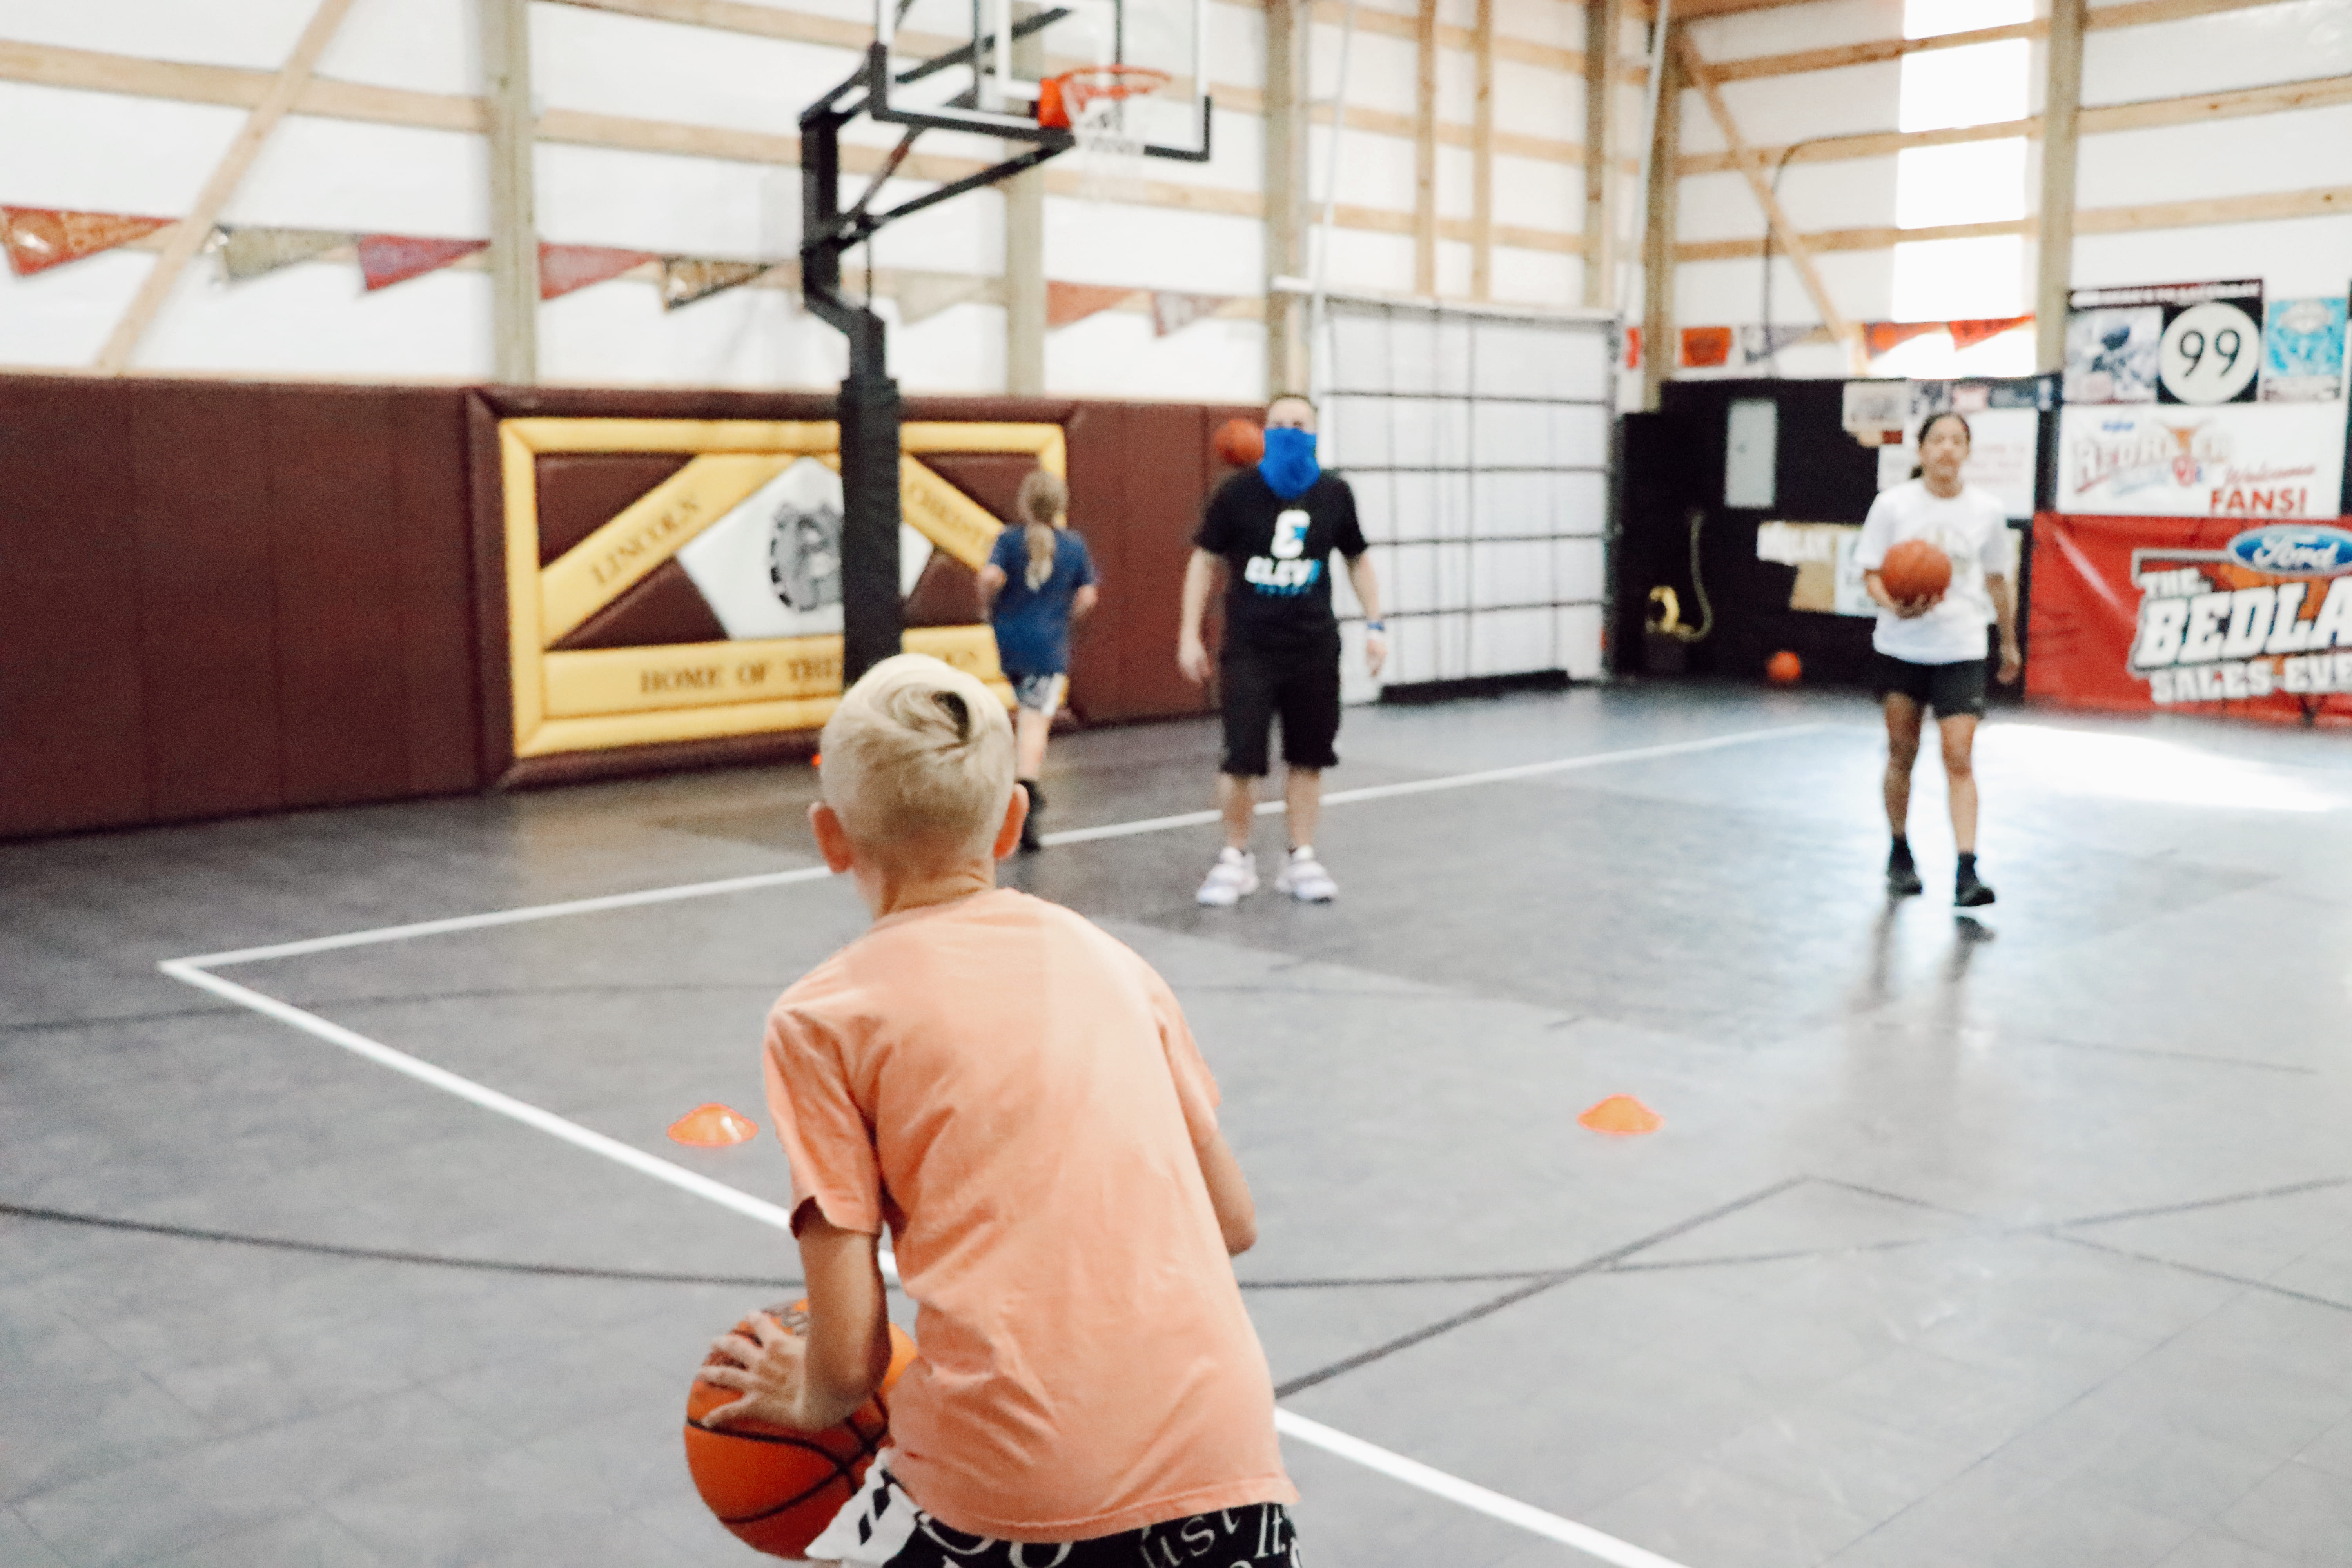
(2004, 436)
(2137, 613)
(2303, 351)
(2165, 343)
(2253, 460)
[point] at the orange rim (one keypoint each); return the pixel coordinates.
(1069, 92)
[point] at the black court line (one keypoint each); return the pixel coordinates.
(2290, 1292)
(1533, 1287)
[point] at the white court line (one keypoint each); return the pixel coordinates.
(195, 972)
(1069, 836)
(1469, 1494)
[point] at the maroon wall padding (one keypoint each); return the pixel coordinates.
(200, 460)
(72, 675)
(580, 492)
(437, 590)
(222, 598)
(1138, 472)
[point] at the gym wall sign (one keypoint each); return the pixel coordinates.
(680, 580)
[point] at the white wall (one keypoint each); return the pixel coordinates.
(2292, 40)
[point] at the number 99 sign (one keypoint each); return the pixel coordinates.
(2211, 352)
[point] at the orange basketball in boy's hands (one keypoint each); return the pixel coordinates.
(1239, 443)
(771, 1486)
(1916, 569)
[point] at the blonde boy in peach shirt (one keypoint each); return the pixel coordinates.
(1016, 1096)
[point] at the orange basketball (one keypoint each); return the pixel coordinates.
(1784, 669)
(1916, 569)
(773, 1486)
(1239, 443)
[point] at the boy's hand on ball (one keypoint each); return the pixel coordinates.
(771, 1373)
(1912, 609)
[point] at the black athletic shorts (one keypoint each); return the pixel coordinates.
(890, 1528)
(1951, 689)
(1301, 686)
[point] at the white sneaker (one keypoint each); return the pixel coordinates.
(1234, 877)
(1303, 877)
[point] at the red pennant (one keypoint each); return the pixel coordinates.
(1879, 337)
(389, 259)
(563, 268)
(1705, 347)
(1067, 304)
(41, 238)
(1968, 334)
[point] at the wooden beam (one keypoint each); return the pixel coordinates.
(1481, 160)
(514, 190)
(194, 229)
(2062, 106)
(2144, 12)
(1603, 26)
(1424, 149)
(2264, 206)
(1287, 22)
(1024, 240)
(1801, 257)
(2196, 109)
(1874, 52)
(1661, 199)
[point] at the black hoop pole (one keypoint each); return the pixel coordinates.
(872, 614)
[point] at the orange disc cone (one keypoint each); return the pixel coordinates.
(713, 1127)
(1624, 1115)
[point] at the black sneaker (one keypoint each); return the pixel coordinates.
(1902, 875)
(1970, 892)
(1030, 842)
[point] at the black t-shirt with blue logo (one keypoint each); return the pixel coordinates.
(1278, 553)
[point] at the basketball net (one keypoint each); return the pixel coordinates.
(1111, 156)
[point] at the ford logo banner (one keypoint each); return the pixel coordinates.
(2287, 551)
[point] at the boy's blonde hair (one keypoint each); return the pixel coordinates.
(918, 760)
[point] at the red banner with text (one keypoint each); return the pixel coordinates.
(2193, 615)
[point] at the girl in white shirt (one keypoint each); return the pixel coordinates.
(1931, 651)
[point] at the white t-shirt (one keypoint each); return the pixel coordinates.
(1967, 527)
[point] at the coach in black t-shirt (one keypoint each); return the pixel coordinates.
(1272, 530)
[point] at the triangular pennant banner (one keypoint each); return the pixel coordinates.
(563, 268)
(251, 252)
(1069, 303)
(1879, 337)
(922, 295)
(389, 259)
(1704, 348)
(685, 279)
(1172, 312)
(1968, 334)
(1757, 343)
(41, 238)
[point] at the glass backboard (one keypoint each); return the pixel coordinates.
(980, 64)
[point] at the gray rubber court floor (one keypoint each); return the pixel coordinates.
(2021, 1242)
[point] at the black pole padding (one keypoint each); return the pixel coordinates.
(872, 612)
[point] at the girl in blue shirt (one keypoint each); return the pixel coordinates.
(1039, 580)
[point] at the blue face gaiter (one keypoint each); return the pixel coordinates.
(1289, 465)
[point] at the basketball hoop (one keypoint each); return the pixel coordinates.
(1091, 103)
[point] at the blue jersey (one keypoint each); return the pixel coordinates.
(1033, 624)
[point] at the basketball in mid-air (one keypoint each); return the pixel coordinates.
(1916, 569)
(1784, 669)
(771, 1486)
(1239, 443)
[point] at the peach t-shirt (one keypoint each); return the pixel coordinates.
(1016, 1094)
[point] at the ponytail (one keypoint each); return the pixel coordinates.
(1041, 503)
